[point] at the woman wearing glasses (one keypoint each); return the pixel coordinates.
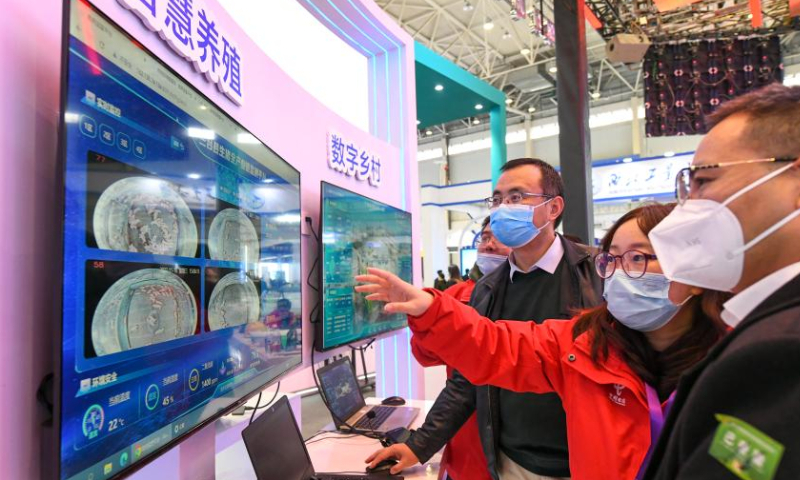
(615, 367)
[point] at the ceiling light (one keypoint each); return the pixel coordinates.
(595, 95)
(749, 16)
(478, 107)
(429, 132)
(488, 25)
(268, 180)
(477, 121)
(552, 69)
(669, 154)
(506, 35)
(525, 51)
(418, 122)
(468, 7)
(203, 107)
(531, 109)
(509, 101)
(439, 87)
(627, 160)
(194, 176)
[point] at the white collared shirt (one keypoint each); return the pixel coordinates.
(549, 261)
(741, 305)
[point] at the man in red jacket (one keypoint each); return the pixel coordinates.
(463, 457)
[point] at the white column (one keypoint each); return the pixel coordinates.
(434, 242)
(528, 142)
(636, 127)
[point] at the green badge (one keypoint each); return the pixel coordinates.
(744, 450)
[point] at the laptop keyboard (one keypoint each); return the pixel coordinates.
(381, 414)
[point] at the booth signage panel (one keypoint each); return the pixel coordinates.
(350, 160)
(646, 178)
(190, 29)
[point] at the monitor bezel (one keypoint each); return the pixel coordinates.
(61, 164)
(319, 323)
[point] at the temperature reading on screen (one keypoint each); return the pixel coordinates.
(115, 424)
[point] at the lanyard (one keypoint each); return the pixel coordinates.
(657, 416)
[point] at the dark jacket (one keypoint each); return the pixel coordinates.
(581, 288)
(753, 374)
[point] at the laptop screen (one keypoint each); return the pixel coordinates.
(341, 388)
(276, 447)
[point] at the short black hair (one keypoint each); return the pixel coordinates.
(552, 184)
(772, 112)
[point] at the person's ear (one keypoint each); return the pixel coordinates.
(556, 208)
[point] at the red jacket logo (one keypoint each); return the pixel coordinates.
(617, 397)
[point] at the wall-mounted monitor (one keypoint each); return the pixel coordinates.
(181, 267)
(358, 232)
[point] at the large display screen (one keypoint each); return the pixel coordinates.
(181, 284)
(358, 232)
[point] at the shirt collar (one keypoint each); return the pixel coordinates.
(549, 261)
(743, 304)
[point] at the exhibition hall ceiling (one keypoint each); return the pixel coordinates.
(515, 55)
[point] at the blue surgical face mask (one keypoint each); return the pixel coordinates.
(488, 262)
(513, 224)
(641, 304)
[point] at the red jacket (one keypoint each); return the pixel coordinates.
(463, 457)
(462, 290)
(608, 422)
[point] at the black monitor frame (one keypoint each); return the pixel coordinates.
(319, 323)
(54, 452)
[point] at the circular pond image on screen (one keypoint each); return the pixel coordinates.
(233, 237)
(143, 308)
(233, 302)
(145, 215)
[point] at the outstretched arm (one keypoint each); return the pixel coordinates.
(518, 356)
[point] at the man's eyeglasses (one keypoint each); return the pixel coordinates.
(634, 263)
(683, 181)
(484, 239)
(512, 198)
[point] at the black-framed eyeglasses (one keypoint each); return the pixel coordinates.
(513, 198)
(685, 176)
(484, 239)
(634, 263)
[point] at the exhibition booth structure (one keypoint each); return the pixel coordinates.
(212, 216)
(447, 92)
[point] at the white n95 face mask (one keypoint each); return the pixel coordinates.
(701, 242)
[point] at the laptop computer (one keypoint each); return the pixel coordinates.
(278, 452)
(339, 384)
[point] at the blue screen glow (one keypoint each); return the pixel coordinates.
(181, 287)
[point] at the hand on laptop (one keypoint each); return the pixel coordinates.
(400, 297)
(400, 451)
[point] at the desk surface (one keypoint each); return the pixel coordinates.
(338, 454)
(330, 452)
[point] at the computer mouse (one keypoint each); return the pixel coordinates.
(393, 401)
(383, 466)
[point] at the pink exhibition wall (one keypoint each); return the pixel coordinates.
(275, 109)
